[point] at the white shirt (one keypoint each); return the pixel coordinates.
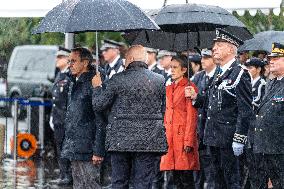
(280, 77)
(112, 64)
(253, 82)
(227, 66)
(152, 66)
(211, 74)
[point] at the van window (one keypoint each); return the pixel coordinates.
(36, 60)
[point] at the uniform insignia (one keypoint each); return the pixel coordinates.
(278, 99)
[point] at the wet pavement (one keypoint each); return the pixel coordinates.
(27, 173)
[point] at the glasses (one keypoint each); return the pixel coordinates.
(71, 62)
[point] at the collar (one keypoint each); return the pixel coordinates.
(168, 72)
(280, 77)
(227, 66)
(152, 66)
(65, 70)
(211, 74)
(253, 82)
(112, 64)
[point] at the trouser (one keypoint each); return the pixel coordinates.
(64, 164)
(183, 179)
(163, 180)
(267, 166)
(203, 178)
(142, 165)
(85, 175)
(105, 173)
(225, 168)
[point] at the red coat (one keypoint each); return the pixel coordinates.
(181, 125)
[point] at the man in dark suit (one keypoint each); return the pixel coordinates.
(135, 135)
(229, 111)
(58, 113)
(203, 80)
(268, 143)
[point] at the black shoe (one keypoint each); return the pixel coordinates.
(65, 182)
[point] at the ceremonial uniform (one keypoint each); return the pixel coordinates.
(269, 131)
(229, 116)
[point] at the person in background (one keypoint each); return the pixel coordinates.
(165, 58)
(268, 141)
(243, 56)
(195, 61)
(152, 61)
(181, 128)
(111, 55)
(58, 113)
(203, 80)
(84, 135)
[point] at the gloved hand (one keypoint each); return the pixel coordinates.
(238, 148)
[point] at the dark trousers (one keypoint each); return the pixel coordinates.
(64, 164)
(86, 175)
(225, 168)
(267, 166)
(183, 179)
(203, 177)
(142, 164)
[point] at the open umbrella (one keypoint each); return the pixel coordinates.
(263, 41)
(188, 26)
(74, 16)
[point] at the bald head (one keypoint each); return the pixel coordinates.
(135, 53)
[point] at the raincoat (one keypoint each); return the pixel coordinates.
(181, 129)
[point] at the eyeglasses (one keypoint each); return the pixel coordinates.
(71, 62)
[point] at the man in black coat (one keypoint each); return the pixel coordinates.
(135, 134)
(229, 111)
(58, 113)
(84, 136)
(269, 128)
(203, 80)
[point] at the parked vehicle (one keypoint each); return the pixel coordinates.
(31, 69)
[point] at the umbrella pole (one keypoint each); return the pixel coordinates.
(97, 53)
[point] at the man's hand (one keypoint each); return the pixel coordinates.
(97, 160)
(190, 92)
(238, 148)
(188, 149)
(97, 81)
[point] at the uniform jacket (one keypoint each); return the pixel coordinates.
(157, 70)
(229, 111)
(258, 91)
(108, 72)
(83, 136)
(269, 127)
(181, 125)
(60, 97)
(136, 99)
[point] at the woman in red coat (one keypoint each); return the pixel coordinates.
(181, 123)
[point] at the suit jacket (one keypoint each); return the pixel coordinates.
(269, 127)
(230, 111)
(136, 99)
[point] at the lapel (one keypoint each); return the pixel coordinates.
(178, 91)
(218, 80)
(272, 90)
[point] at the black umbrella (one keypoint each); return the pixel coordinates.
(73, 16)
(197, 17)
(263, 41)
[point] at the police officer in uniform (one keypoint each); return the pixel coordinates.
(152, 61)
(57, 121)
(203, 79)
(269, 127)
(255, 67)
(229, 111)
(111, 55)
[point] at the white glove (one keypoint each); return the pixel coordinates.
(238, 148)
(51, 123)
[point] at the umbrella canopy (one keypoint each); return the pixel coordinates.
(177, 42)
(185, 18)
(74, 16)
(263, 41)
